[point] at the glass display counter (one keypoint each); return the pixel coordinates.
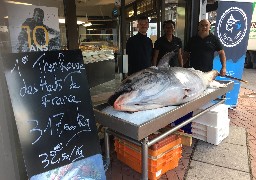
(100, 65)
(96, 56)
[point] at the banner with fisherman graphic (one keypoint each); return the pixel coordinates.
(232, 28)
(33, 28)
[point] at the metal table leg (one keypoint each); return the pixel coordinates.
(107, 151)
(144, 155)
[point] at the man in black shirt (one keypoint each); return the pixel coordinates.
(167, 43)
(200, 49)
(139, 48)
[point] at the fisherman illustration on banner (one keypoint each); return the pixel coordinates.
(38, 31)
(232, 28)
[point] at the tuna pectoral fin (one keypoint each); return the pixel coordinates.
(186, 92)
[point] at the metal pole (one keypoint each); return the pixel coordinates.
(71, 24)
(123, 34)
(144, 155)
(194, 16)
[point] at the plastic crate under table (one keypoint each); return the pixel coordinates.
(162, 156)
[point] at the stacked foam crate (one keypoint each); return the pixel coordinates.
(212, 126)
(162, 156)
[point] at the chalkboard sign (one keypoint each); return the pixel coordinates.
(52, 107)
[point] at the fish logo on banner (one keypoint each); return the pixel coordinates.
(232, 27)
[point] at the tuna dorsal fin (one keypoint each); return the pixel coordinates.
(164, 61)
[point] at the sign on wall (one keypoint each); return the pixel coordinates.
(33, 28)
(53, 113)
(232, 28)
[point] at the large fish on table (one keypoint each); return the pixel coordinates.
(160, 86)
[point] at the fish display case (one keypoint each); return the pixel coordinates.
(137, 131)
(99, 64)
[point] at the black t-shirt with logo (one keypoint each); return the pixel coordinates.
(202, 51)
(164, 46)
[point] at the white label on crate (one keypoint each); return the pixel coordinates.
(158, 173)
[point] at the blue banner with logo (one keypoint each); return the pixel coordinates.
(232, 28)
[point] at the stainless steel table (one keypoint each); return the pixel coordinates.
(138, 134)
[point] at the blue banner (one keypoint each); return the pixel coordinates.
(232, 28)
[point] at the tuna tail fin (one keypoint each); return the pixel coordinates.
(211, 75)
(164, 61)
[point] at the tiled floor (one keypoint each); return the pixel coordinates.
(244, 115)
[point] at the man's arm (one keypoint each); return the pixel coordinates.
(128, 46)
(155, 55)
(186, 53)
(185, 58)
(180, 58)
(223, 62)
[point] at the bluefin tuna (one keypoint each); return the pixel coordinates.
(160, 86)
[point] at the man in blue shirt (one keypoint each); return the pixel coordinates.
(139, 48)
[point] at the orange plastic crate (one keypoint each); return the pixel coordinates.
(158, 148)
(165, 141)
(153, 160)
(162, 157)
(154, 165)
(153, 174)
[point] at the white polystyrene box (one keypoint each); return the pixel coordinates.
(213, 135)
(198, 136)
(214, 117)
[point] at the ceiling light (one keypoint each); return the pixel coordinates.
(79, 22)
(131, 13)
(86, 22)
(62, 21)
(14, 2)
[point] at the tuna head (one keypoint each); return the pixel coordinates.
(136, 92)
